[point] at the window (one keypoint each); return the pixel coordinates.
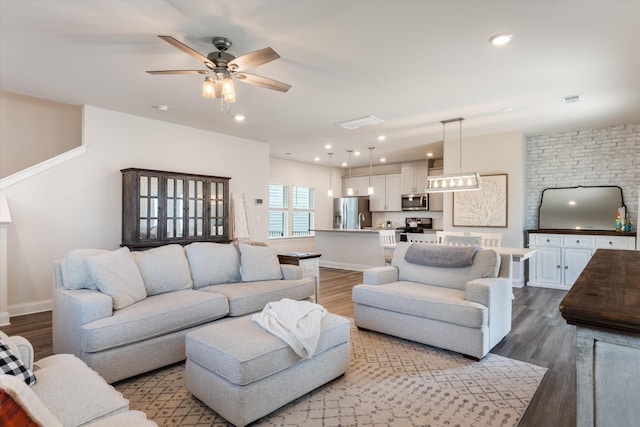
(302, 211)
(290, 219)
(278, 209)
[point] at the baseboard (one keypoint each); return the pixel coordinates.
(5, 319)
(30, 307)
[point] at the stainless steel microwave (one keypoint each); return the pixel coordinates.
(415, 202)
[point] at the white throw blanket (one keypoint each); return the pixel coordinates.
(295, 322)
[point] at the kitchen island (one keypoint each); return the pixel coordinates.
(350, 249)
(603, 305)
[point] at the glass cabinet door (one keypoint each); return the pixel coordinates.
(217, 209)
(175, 208)
(195, 210)
(149, 210)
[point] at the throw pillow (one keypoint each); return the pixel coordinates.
(164, 269)
(75, 273)
(213, 263)
(259, 263)
(20, 406)
(10, 365)
(117, 275)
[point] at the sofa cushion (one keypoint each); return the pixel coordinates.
(432, 302)
(117, 275)
(20, 405)
(75, 271)
(10, 364)
(259, 263)
(75, 393)
(245, 298)
(213, 263)
(154, 316)
(486, 263)
(163, 269)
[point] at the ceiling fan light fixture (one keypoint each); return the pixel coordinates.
(209, 88)
(228, 90)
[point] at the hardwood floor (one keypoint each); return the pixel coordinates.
(539, 335)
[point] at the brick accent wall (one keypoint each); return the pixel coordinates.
(609, 156)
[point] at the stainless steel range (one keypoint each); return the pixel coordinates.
(416, 225)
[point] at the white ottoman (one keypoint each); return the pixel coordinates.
(243, 372)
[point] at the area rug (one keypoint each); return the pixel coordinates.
(390, 382)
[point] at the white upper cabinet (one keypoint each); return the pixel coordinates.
(387, 193)
(360, 185)
(414, 176)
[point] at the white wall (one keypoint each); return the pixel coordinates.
(491, 154)
(78, 204)
(292, 173)
(608, 156)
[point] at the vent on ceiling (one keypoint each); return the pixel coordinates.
(360, 122)
(570, 99)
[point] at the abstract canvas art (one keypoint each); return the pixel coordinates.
(483, 208)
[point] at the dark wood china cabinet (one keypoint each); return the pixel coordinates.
(160, 207)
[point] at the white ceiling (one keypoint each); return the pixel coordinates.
(410, 63)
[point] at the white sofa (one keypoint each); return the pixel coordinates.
(125, 313)
(66, 393)
(463, 309)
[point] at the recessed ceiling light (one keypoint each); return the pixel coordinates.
(162, 107)
(507, 110)
(500, 39)
(327, 146)
(429, 154)
(316, 159)
(239, 118)
(344, 164)
(381, 138)
(383, 159)
(356, 153)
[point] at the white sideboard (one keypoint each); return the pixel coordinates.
(560, 258)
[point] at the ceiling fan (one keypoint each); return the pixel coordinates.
(223, 65)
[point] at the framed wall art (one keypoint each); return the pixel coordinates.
(482, 208)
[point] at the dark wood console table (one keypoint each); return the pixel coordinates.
(604, 304)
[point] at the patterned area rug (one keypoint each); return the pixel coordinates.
(390, 382)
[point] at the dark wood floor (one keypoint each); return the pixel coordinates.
(539, 335)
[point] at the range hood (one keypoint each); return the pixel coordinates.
(580, 208)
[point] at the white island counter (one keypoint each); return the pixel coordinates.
(349, 249)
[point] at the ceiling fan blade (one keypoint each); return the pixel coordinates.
(263, 82)
(179, 72)
(186, 49)
(253, 59)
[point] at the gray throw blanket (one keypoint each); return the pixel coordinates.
(441, 255)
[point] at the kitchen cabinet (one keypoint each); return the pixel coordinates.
(387, 193)
(360, 185)
(436, 200)
(160, 207)
(560, 258)
(414, 176)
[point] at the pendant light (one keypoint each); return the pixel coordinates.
(370, 189)
(330, 191)
(461, 181)
(350, 188)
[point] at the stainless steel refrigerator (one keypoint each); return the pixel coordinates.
(349, 212)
